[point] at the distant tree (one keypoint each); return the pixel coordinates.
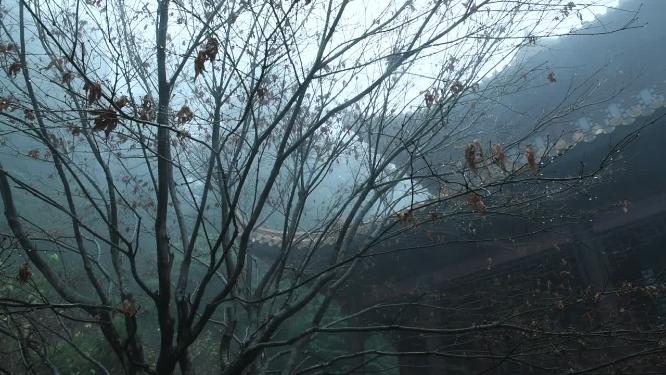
(196, 179)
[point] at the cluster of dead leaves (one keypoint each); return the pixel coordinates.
(431, 97)
(9, 104)
(457, 87)
(474, 156)
(56, 140)
(24, 273)
(122, 102)
(262, 93)
(67, 77)
(476, 201)
(74, 130)
(406, 217)
(183, 135)
(499, 157)
(14, 69)
(551, 77)
(470, 156)
(106, 120)
(208, 53)
(147, 109)
(6, 103)
(530, 155)
(128, 308)
(7, 47)
(93, 91)
(184, 115)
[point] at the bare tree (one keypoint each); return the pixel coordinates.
(216, 172)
